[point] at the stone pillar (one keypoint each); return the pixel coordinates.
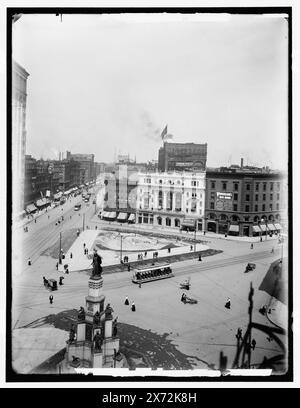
(108, 328)
(164, 200)
(81, 331)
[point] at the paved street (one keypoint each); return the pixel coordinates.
(199, 331)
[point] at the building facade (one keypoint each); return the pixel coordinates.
(182, 157)
(19, 99)
(87, 166)
(171, 199)
(245, 201)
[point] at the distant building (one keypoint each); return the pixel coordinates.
(171, 199)
(19, 98)
(87, 166)
(182, 157)
(245, 201)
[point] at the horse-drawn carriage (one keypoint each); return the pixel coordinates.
(186, 284)
(186, 299)
(250, 267)
(50, 284)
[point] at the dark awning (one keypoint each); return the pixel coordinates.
(234, 228)
(188, 222)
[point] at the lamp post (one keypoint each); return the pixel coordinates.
(83, 219)
(59, 256)
(121, 248)
(195, 236)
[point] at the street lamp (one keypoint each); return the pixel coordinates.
(121, 248)
(195, 236)
(59, 256)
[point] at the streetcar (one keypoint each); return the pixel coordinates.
(143, 274)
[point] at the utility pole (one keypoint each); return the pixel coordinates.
(121, 249)
(195, 236)
(83, 219)
(59, 256)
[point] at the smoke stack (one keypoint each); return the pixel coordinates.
(242, 163)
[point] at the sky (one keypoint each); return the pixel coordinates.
(108, 85)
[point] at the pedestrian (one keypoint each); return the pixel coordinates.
(191, 247)
(199, 259)
(71, 255)
(126, 301)
(169, 250)
(251, 247)
(239, 334)
(84, 245)
(29, 262)
(51, 299)
(183, 298)
(61, 278)
(272, 251)
(35, 220)
(228, 303)
(128, 267)
(56, 266)
(253, 344)
(204, 232)
(260, 239)
(67, 271)
(133, 307)
(140, 285)
(145, 254)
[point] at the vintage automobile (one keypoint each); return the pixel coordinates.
(250, 267)
(186, 284)
(52, 284)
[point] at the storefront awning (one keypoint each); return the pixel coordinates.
(105, 214)
(42, 202)
(131, 217)
(278, 226)
(234, 228)
(112, 215)
(263, 227)
(30, 208)
(57, 196)
(271, 227)
(256, 228)
(188, 223)
(122, 216)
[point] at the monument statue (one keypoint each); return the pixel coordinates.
(97, 318)
(97, 341)
(97, 261)
(108, 311)
(72, 334)
(81, 313)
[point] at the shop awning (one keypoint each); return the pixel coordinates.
(131, 217)
(42, 202)
(278, 226)
(122, 216)
(112, 215)
(105, 214)
(57, 196)
(30, 208)
(234, 228)
(263, 227)
(256, 228)
(271, 227)
(188, 222)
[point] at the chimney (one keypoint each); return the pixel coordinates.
(242, 163)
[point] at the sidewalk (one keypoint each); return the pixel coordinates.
(279, 313)
(176, 232)
(81, 262)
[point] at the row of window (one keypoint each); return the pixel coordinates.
(248, 186)
(247, 207)
(247, 196)
(194, 183)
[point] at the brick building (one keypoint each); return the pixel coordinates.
(245, 201)
(182, 157)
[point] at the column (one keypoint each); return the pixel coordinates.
(164, 200)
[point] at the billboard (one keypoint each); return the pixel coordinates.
(223, 201)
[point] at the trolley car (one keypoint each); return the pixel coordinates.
(150, 273)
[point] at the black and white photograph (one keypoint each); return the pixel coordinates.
(150, 204)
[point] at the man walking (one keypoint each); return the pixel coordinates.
(126, 301)
(51, 299)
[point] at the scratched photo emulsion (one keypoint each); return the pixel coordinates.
(150, 228)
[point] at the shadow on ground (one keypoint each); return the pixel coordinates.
(275, 282)
(142, 348)
(68, 238)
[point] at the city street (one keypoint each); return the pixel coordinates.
(199, 331)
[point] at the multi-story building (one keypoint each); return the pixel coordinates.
(245, 201)
(171, 199)
(182, 157)
(87, 166)
(19, 97)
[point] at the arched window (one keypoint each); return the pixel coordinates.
(235, 218)
(168, 222)
(271, 217)
(177, 222)
(159, 220)
(212, 216)
(223, 217)
(277, 217)
(256, 218)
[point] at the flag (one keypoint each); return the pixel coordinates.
(164, 132)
